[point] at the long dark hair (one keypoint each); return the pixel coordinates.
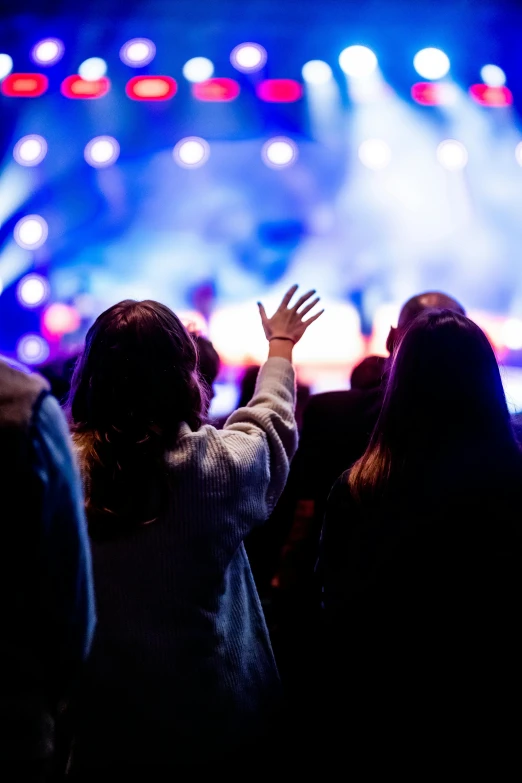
(444, 417)
(135, 382)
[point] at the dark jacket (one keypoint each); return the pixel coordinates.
(46, 595)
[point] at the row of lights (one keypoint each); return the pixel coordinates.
(279, 152)
(355, 61)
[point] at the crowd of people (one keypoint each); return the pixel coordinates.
(265, 594)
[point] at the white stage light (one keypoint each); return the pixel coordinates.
(512, 334)
(32, 349)
(198, 69)
(102, 151)
(316, 72)
(137, 52)
(358, 61)
(374, 154)
(518, 153)
(31, 232)
(191, 152)
(92, 69)
(6, 65)
(493, 76)
(452, 155)
(30, 150)
(248, 57)
(431, 63)
(279, 152)
(32, 290)
(48, 51)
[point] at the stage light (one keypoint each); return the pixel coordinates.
(279, 90)
(279, 152)
(31, 232)
(493, 76)
(494, 97)
(59, 319)
(76, 87)
(92, 69)
(32, 349)
(102, 151)
(32, 290)
(30, 150)
(431, 63)
(316, 72)
(151, 88)
(47, 52)
(219, 89)
(198, 69)
(518, 153)
(452, 155)
(374, 154)
(512, 334)
(6, 65)
(24, 85)
(358, 61)
(434, 93)
(137, 52)
(248, 57)
(191, 152)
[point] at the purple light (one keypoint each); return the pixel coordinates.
(32, 349)
(47, 51)
(32, 291)
(137, 52)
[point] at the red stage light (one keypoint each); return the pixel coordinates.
(76, 87)
(25, 85)
(151, 88)
(491, 96)
(433, 93)
(279, 90)
(217, 89)
(60, 319)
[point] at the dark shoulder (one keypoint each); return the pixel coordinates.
(19, 392)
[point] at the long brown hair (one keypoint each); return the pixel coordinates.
(135, 382)
(444, 399)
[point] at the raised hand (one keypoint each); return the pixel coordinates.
(287, 322)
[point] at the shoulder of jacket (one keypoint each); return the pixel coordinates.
(19, 391)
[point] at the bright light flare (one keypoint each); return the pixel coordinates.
(92, 69)
(431, 63)
(6, 65)
(30, 150)
(493, 76)
(452, 155)
(31, 232)
(191, 152)
(198, 69)
(32, 290)
(280, 152)
(137, 52)
(48, 51)
(32, 349)
(374, 154)
(248, 57)
(359, 62)
(316, 72)
(102, 151)
(60, 319)
(512, 334)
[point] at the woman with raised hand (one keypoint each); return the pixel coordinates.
(421, 566)
(182, 675)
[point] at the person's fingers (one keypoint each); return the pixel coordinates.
(289, 294)
(302, 299)
(313, 318)
(308, 307)
(262, 312)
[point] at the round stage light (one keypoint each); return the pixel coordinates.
(518, 153)
(316, 72)
(248, 57)
(6, 65)
(374, 154)
(493, 76)
(279, 152)
(198, 69)
(48, 51)
(32, 349)
(137, 52)
(92, 69)
(358, 61)
(32, 290)
(30, 150)
(31, 232)
(452, 155)
(512, 334)
(60, 319)
(191, 152)
(431, 63)
(102, 151)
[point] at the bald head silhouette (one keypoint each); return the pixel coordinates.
(430, 300)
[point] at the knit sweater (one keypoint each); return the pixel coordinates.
(182, 667)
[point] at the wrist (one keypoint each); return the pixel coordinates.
(280, 348)
(281, 337)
